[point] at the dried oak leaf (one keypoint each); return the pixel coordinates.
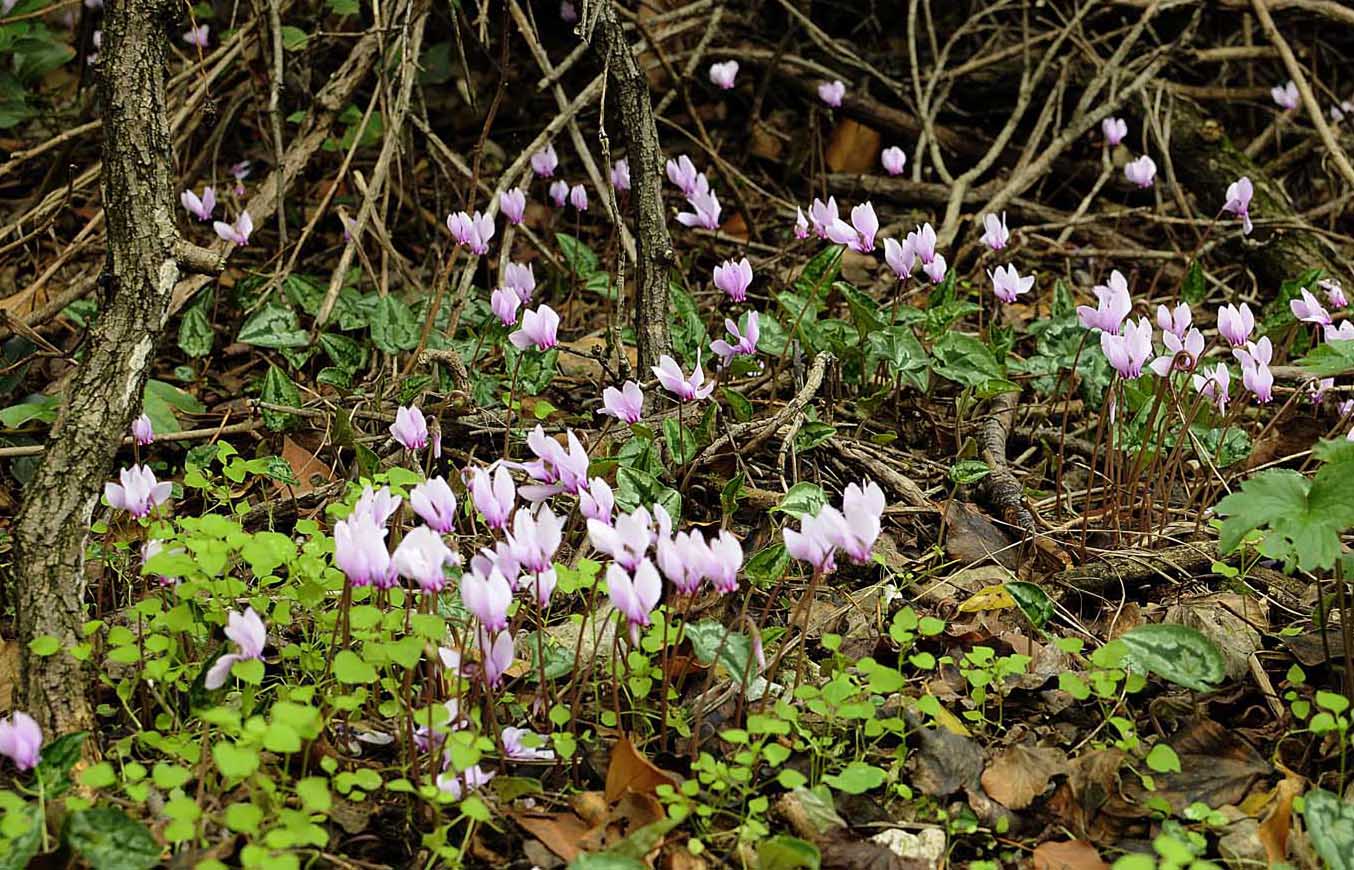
(945, 763)
(1068, 855)
(1019, 774)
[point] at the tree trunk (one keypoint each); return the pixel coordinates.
(653, 244)
(105, 394)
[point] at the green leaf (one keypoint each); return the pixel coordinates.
(160, 400)
(813, 434)
(99, 775)
(1176, 653)
(350, 668)
(279, 389)
(803, 499)
(273, 326)
(294, 38)
(767, 566)
(898, 350)
(1302, 519)
(244, 818)
(577, 255)
(41, 408)
(969, 471)
(820, 271)
(195, 332)
(1033, 601)
(111, 840)
(345, 353)
(1195, 289)
(738, 404)
(856, 778)
(233, 760)
(710, 638)
(967, 361)
(22, 833)
(393, 327)
(783, 852)
(44, 645)
(681, 441)
(58, 757)
(1330, 824)
(1163, 759)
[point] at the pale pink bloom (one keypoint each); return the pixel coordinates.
(1142, 171)
(597, 501)
(893, 159)
(199, 36)
(545, 161)
(832, 92)
(473, 231)
(734, 278)
(625, 404)
(487, 597)
(1128, 352)
(866, 225)
(745, 341)
(237, 233)
(1114, 303)
(1343, 332)
(816, 539)
(684, 559)
(1008, 285)
(1308, 310)
(1114, 129)
(410, 428)
(634, 597)
(143, 431)
(935, 270)
(620, 174)
(1214, 386)
(379, 504)
(685, 388)
(435, 504)
(138, 491)
(200, 208)
(724, 561)
(1316, 391)
(627, 540)
(682, 172)
(474, 778)
(1239, 194)
(513, 204)
(996, 236)
(516, 748)
(705, 210)
(900, 257)
(247, 632)
(823, 215)
(923, 240)
(535, 539)
(1285, 95)
(801, 224)
(539, 330)
(1175, 321)
(559, 192)
(723, 74)
(422, 556)
(494, 495)
(360, 551)
(504, 302)
(578, 197)
(1235, 324)
(521, 279)
(1255, 374)
(1181, 354)
(20, 736)
(1335, 293)
(863, 511)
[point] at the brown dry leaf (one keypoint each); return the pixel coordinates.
(971, 537)
(735, 226)
(1087, 803)
(629, 770)
(680, 858)
(590, 806)
(306, 466)
(944, 762)
(853, 147)
(562, 833)
(1217, 767)
(633, 812)
(1068, 855)
(1021, 773)
(1275, 827)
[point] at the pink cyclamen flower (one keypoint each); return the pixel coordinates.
(1181, 355)
(458, 785)
(487, 597)
(625, 404)
(866, 224)
(1142, 171)
(494, 495)
(626, 541)
(410, 428)
(832, 92)
(515, 745)
(473, 231)
(20, 736)
(684, 559)
(620, 174)
(138, 492)
(240, 171)
(1113, 305)
(360, 551)
(504, 302)
(745, 340)
(421, 557)
(923, 240)
(823, 215)
(893, 160)
(935, 270)
(1008, 285)
(198, 36)
(435, 504)
(545, 161)
(1235, 324)
(578, 197)
(685, 388)
(568, 13)
(379, 504)
(1343, 332)
(597, 501)
(560, 469)
(539, 329)
(237, 233)
(1317, 391)
(705, 210)
(1114, 129)
(1255, 374)
(734, 278)
(634, 597)
(199, 207)
(535, 539)
(801, 224)
(559, 193)
(1285, 95)
(513, 204)
(723, 74)
(1214, 386)
(143, 431)
(1308, 310)
(725, 560)
(1238, 202)
(900, 257)
(682, 172)
(863, 511)
(996, 236)
(521, 279)
(1335, 292)
(1128, 352)
(247, 632)
(496, 652)
(1175, 321)
(816, 539)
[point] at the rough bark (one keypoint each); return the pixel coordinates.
(139, 275)
(1206, 162)
(631, 92)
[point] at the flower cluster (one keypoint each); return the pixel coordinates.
(852, 529)
(696, 188)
